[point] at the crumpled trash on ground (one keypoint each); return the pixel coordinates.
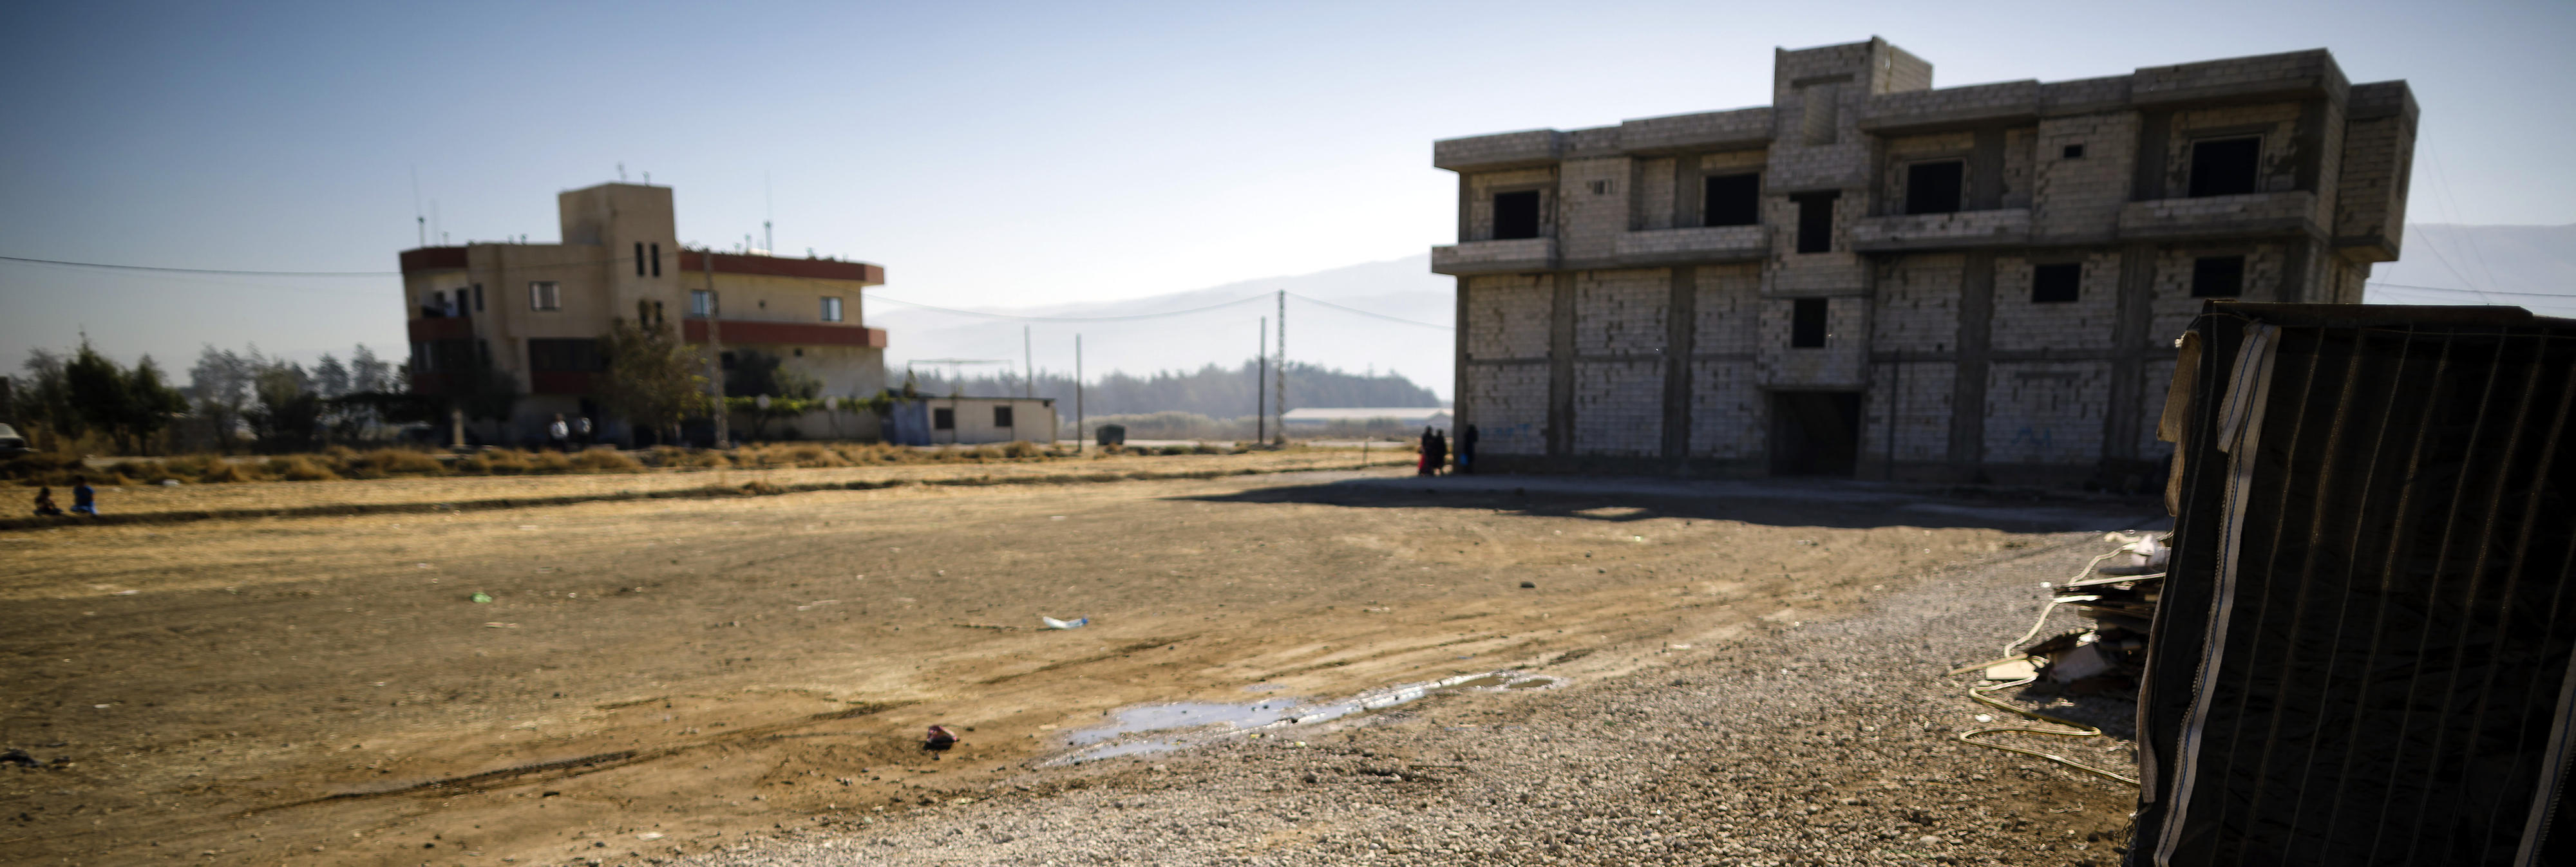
(1052, 623)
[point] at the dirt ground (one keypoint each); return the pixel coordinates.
(324, 689)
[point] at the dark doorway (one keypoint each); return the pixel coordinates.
(1815, 433)
(1516, 215)
(2225, 167)
(1732, 200)
(1815, 222)
(1935, 188)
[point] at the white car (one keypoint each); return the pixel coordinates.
(11, 444)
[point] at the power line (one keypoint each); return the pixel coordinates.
(113, 267)
(1350, 309)
(110, 266)
(2565, 295)
(1015, 318)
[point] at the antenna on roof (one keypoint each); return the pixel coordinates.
(415, 207)
(768, 209)
(621, 173)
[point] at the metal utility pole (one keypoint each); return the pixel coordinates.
(1081, 440)
(715, 351)
(1281, 393)
(1261, 387)
(1029, 362)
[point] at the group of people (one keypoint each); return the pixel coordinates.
(566, 435)
(1435, 452)
(84, 500)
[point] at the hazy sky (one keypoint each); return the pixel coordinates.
(991, 155)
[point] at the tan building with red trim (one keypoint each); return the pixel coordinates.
(534, 313)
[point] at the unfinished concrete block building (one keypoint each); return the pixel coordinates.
(1872, 277)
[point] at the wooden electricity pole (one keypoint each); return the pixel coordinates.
(1261, 387)
(715, 351)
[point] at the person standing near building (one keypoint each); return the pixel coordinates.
(1467, 450)
(581, 430)
(560, 433)
(84, 500)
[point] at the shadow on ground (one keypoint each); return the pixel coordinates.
(1786, 503)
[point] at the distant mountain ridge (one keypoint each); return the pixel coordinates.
(2441, 264)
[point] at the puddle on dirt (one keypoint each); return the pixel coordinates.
(1191, 723)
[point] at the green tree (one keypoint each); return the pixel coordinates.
(97, 391)
(150, 402)
(653, 379)
(757, 373)
(44, 402)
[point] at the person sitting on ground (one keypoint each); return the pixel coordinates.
(45, 507)
(84, 500)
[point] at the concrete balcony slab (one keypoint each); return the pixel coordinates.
(1960, 230)
(1489, 257)
(1696, 244)
(2252, 213)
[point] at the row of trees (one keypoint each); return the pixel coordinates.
(86, 394)
(85, 401)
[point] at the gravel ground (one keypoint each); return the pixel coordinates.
(1815, 745)
(1819, 743)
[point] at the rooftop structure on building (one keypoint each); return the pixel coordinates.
(534, 313)
(1875, 277)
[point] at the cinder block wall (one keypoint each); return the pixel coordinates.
(1634, 344)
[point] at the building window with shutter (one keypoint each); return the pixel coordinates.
(943, 419)
(702, 303)
(831, 309)
(1002, 416)
(545, 295)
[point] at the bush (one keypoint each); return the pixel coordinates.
(382, 463)
(606, 461)
(300, 468)
(1023, 449)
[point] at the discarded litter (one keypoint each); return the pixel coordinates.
(1529, 585)
(649, 835)
(1076, 623)
(1985, 717)
(480, 596)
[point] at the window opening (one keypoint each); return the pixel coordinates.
(2218, 276)
(657, 260)
(2225, 167)
(1816, 223)
(1002, 416)
(1807, 323)
(2073, 152)
(1731, 200)
(545, 295)
(1935, 187)
(1601, 188)
(831, 310)
(702, 303)
(2052, 284)
(478, 297)
(1516, 215)
(943, 419)
(639, 258)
